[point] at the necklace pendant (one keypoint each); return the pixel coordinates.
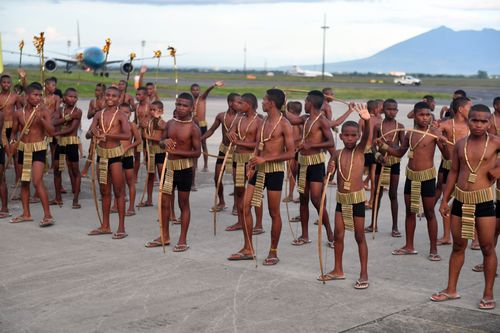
(410, 154)
(472, 178)
(261, 146)
(347, 185)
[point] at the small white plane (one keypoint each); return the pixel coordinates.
(297, 71)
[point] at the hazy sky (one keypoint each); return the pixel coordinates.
(213, 33)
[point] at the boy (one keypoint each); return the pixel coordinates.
(388, 167)
(473, 159)
(142, 117)
(350, 210)
(32, 151)
(124, 97)
(68, 119)
(316, 137)
(110, 127)
(374, 108)
(227, 119)
(266, 169)
(181, 139)
(96, 104)
(294, 108)
(420, 178)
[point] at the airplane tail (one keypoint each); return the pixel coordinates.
(1, 54)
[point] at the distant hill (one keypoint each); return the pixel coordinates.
(438, 51)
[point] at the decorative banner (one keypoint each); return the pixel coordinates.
(39, 42)
(157, 54)
(21, 47)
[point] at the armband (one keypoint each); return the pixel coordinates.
(385, 146)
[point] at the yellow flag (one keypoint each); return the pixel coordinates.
(1, 54)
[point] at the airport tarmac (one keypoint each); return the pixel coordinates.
(59, 279)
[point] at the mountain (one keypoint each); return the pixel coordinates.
(438, 51)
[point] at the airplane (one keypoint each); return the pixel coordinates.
(297, 71)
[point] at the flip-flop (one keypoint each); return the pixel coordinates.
(233, 228)
(370, 229)
(434, 257)
(180, 248)
(4, 215)
(217, 209)
(331, 245)
(51, 202)
(395, 234)
(330, 277)
(176, 221)
(440, 242)
(475, 248)
(144, 204)
(76, 206)
(119, 235)
(113, 211)
(287, 199)
(295, 219)
(300, 241)
(235, 212)
(270, 261)
(20, 219)
(478, 268)
(487, 304)
(128, 213)
(46, 222)
(258, 231)
(361, 285)
(240, 256)
(443, 297)
(155, 243)
(403, 252)
(99, 231)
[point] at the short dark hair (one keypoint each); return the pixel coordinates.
(277, 96)
(123, 81)
(150, 84)
(101, 85)
(479, 108)
(389, 101)
(126, 105)
(325, 90)
(350, 123)
(496, 100)
(70, 90)
(232, 96)
(185, 95)
(5, 76)
(250, 99)
(51, 79)
(33, 86)
(295, 107)
(371, 105)
(160, 104)
(458, 103)
(142, 89)
(421, 106)
(460, 92)
(194, 85)
(113, 88)
(317, 98)
(428, 98)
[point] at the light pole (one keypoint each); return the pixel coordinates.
(245, 59)
(143, 43)
(324, 27)
(69, 48)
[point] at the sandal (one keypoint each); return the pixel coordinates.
(442, 242)
(155, 243)
(403, 252)
(370, 229)
(361, 285)
(485, 304)
(113, 211)
(217, 209)
(129, 213)
(258, 231)
(443, 297)
(270, 261)
(51, 202)
(478, 268)
(234, 227)
(330, 277)
(4, 215)
(144, 204)
(46, 222)
(295, 219)
(180, 248)
(20, 219)
(240, 256)
(119, 235)
(300, 241)
(434, 257)
(99, 231)
(76, 206)
(396, 234)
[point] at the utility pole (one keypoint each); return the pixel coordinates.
(324, 27)
(245, 59)
(69, 48)
(143, 43)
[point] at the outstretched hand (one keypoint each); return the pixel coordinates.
(144, 69)
(219, 83)
(362, 110)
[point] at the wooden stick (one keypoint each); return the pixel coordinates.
(330, 97)
(289, 172)
(147, 176)
(320, 224)
(417, 131)
(94, 191)
(217, 187)
(160, 193)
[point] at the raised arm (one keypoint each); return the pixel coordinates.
(212, 128)
(209, 89)
(294, 119)
(343, 117)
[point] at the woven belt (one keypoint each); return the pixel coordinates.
(28, 148)
(139, 148)
(241, 159)
(174, 165)
(446, 164)
(223, 149)
(469, 200)
(497, 193)
(391, 160)
(104, 155)
(417, 177)
(68, 140)
(128, 153)
(268, 167)
(153, 150)
(346, 201)
(305, 161)
(8, 123)
(202, 123)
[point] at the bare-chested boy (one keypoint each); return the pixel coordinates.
(142, 118)
(200, 115)
(96, 104)
(33, 122)
(153, 132)
(420, 178)
(267, 170)
(4, 211)
(181, 140)
(470, 178)
(67, 119)
(228, 120)
(350, 210)
(388, 167)
(316, 138)
(110, 127)
(125, 97)
(295, 108)
(454, 129)
(244, 137)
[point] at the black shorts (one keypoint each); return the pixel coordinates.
(112, 160)
(444, 171)
(428, 188)
(358, 210)
(395, 169)
(2, 156)
(369, 159)
(58, 151)
(128, 162)
(203, 129)
(159, 158)
(8, 133)
(183, 179)
(72, 153)
(38, 156)
(273, 181)
(297, 156)
(315, 173)
(484, 209)
(235, 164)
(221, 158)
(498, 209)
